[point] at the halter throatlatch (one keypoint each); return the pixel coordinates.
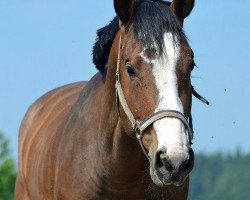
(140, 126)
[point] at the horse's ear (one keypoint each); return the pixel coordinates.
(182, 8)
(124, 10)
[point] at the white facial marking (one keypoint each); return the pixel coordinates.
(145, 58)
(170, 132)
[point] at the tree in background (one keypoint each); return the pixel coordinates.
(7, 170)
(221, 177)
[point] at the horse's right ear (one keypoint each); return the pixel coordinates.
(182, 8)
(124, 10)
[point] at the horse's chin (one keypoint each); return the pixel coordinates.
(165, 182)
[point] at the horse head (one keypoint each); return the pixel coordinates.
(154, 65)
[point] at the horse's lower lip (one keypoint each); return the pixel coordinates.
(179, 182)
(176, 184)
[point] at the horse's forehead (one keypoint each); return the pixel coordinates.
(171, 50)
(173, 46)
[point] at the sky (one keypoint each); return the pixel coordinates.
(46, 44)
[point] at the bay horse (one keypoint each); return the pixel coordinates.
(127, 133)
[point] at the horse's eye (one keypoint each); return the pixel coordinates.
(130, 69)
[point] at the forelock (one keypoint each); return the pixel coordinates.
(152, 19)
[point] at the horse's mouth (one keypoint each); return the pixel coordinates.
(164, 182)
(168, 179)
(178, 183)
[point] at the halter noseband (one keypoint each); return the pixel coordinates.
(140, 126)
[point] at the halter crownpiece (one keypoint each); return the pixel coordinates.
(140, 126)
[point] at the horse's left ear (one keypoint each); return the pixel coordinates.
(124, 10)
(182, 8)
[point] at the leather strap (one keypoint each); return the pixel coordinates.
(124, 104)
(166, 114)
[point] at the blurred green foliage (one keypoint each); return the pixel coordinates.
(221, 177)
(7, 170)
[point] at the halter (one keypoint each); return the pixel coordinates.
(140, 126)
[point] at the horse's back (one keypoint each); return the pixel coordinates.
(38, 139)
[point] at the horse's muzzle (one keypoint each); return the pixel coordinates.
(168, 173)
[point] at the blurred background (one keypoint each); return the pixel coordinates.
(46, 44)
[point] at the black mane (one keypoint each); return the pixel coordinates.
(104, 41)
(152, 18)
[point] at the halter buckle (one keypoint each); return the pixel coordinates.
(117, 77)
(136, 128)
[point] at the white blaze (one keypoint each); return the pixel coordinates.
(170, 132)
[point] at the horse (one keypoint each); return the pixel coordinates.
(126, 133)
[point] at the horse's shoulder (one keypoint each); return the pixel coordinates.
(54, 104)
(55, 98)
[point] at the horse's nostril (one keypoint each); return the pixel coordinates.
(188, 165)
(161, 161)
(158, 158)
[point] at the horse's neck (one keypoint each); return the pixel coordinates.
(123, 157)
